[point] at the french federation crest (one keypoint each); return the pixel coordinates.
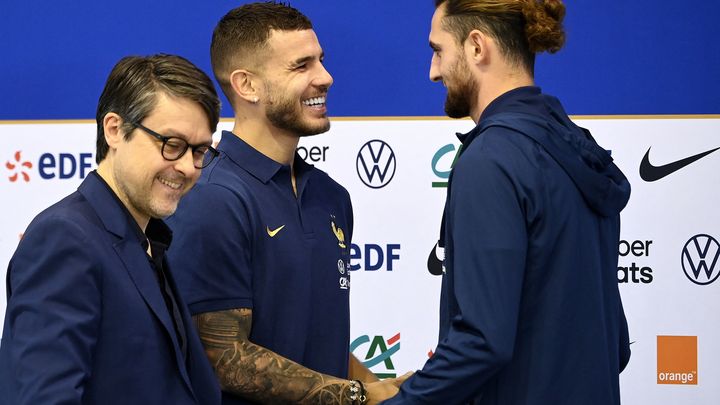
(339, 234)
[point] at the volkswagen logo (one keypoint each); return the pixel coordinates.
(376, 164)
(700, 258)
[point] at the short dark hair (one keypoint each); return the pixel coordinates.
(522, 28)
(132, 86)
(244, 31)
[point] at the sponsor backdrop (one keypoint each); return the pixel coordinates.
(396, 169)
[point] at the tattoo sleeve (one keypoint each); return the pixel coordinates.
(258, 374)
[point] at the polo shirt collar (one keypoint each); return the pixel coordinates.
(254, 162)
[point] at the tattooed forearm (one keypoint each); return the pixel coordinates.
(256, 373)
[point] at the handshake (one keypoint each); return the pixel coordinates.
(378, 391)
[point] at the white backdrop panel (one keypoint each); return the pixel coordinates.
(394, 298)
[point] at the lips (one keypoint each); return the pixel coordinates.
(314, 102)
(175, 185)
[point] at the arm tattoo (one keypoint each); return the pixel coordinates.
(256, 373)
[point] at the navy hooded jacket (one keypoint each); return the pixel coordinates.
(530, 307)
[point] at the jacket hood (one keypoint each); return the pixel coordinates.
(542, 118)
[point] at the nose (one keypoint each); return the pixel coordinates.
(324, 79)
(434, 70)
(186, 164)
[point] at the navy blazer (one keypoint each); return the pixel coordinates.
(86, 322)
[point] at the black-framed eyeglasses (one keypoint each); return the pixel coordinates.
(173, 148)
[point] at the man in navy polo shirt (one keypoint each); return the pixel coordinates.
(262, 245)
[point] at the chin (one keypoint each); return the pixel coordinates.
(163, 212)
(311, 130)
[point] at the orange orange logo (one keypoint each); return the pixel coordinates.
(677, 360)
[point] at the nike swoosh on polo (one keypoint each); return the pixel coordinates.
(273, 232)
(650, 173)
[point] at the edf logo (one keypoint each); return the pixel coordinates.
(376, 164)
(378, 352)
(61, 166)
(699, 259)
(372, 257)
(64, 165)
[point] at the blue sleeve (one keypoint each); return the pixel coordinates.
(624, 340)
(211, 252)
(488, 230)
(53, 313)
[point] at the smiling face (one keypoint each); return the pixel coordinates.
(450, 66)
(149, 185)
(295, 83)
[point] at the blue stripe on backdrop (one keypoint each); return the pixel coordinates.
(622, 57)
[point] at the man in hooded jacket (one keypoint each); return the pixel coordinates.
(530, 308)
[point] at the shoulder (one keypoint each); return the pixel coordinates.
(70, 219)
(212, 207)
(218, 196)
(224, 178)
(322, 182)
(497, 147)
(64, 242)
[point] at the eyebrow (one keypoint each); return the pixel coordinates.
(306, 59)
(171, 133)
(434, 46)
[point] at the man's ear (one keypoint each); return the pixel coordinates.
(245, 84)
(112, 124)
(477, 47)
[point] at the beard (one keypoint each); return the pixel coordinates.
(143, 199)
(286, 113)
(462, 95)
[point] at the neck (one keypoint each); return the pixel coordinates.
(105, 170)
(493, 87)
(275, 143)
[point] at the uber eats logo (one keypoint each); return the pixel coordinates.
(313, 154)
(632, 266)
(376, 353)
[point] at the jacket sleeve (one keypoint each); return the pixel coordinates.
(624, 340)
(53, 313)
(489, 243)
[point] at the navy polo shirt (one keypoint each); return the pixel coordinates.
(244, 240)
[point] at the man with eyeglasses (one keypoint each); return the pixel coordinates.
(93, 316)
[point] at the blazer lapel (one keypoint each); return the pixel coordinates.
(130, 252)
(137, 265)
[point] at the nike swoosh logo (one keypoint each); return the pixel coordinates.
(434, 264)
(650, 173)
(273, 232)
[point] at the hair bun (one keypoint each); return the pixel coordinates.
(543, 25)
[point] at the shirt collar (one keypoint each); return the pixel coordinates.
(254, 162)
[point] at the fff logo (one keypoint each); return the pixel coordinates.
(376, 351)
